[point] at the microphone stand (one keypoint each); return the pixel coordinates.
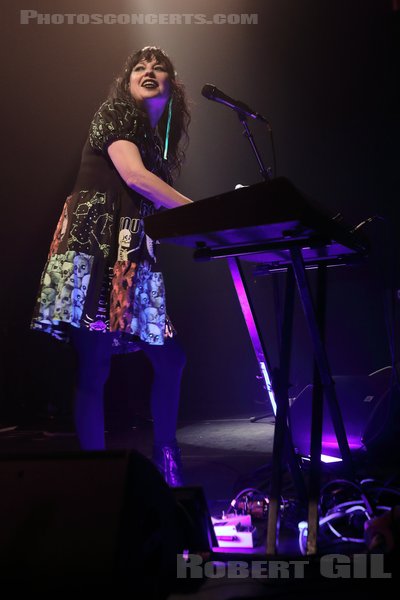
(266, 173)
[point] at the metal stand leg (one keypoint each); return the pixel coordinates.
(252, 325)
(321, 359)
(283, 447)
(323, 382)
(316, 424)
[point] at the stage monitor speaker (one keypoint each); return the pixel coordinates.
(87, 517)
(364, 403)
(195, 519)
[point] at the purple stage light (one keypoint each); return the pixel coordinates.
(325, 458)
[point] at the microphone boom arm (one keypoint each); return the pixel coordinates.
(211, 92)
(266, 173)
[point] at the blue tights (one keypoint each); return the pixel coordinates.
(94, 361)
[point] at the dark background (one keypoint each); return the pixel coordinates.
(323, 72)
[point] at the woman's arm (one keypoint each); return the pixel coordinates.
(127, 160)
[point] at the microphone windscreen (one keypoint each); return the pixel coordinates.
(208, 91)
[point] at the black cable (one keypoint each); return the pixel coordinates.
(341, 482)
(273, 151)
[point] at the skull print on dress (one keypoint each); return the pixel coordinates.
(65, 283)
(124, 242)
(149, 306)
(46, 300)
(81, 267)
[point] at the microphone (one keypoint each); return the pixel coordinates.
(213, 93)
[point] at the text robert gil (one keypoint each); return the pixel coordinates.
(331, 566)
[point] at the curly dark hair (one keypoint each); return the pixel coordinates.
(178, 136)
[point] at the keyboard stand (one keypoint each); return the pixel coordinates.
(277, 384)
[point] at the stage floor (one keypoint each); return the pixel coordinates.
(224, 457)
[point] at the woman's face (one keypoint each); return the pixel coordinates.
(149, 80)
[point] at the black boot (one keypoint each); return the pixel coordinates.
(168, 461)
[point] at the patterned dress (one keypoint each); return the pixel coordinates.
(100, 273)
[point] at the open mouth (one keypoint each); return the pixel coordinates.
(150, 84)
